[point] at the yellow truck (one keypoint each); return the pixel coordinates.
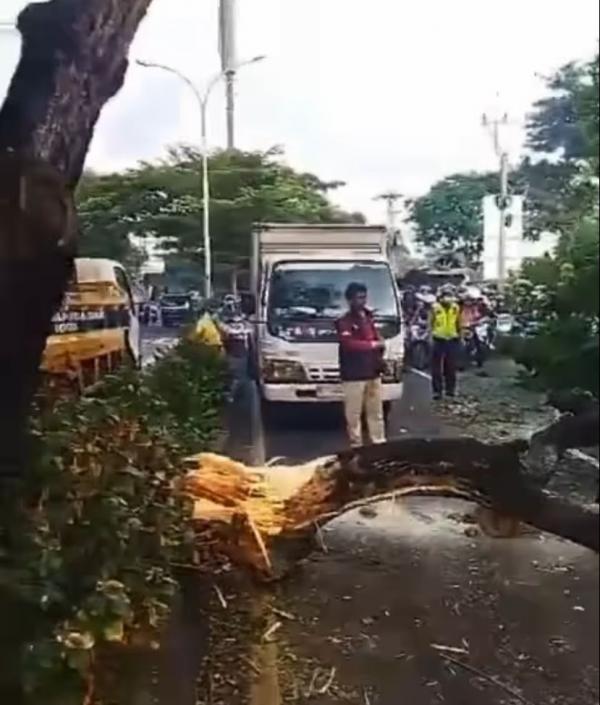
(97, 328)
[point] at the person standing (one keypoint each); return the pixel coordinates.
(445, 331)
(361, 351)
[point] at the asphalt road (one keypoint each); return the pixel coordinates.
(306, 431)
(393, 588)
(404, 606)
(155, 339)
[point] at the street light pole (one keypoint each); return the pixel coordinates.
(202, 100)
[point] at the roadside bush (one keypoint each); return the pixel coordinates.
(94, 546)
(561, 293)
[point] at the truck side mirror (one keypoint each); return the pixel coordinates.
(248, 304)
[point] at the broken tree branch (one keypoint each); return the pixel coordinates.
(285, 504)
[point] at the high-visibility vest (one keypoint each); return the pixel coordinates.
(445, 321)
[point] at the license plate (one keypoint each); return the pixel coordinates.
(329, 391)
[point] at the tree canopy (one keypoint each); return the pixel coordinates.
(562, 136)
(450, 216)
(163, 199)
(564, 288)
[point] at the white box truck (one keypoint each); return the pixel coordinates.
(299, 276)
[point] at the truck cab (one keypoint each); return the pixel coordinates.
(300, 275)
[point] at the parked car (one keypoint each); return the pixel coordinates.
(175, 310)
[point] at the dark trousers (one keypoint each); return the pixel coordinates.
(443, 365)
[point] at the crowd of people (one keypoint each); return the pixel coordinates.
(455, 322)
(458, 324)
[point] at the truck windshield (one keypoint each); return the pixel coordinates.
(305, 291)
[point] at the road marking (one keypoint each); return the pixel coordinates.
(420, 373)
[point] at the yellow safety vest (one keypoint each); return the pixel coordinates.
(206, 332)
(445, 321)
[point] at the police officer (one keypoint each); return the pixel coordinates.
(445, 332)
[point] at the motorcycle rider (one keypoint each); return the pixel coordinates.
(409, 301)
(417, 329)
(473, 312)
(235, 335)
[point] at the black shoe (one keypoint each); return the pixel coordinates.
(451, 395)
(437, 397)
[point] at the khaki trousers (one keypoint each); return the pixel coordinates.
(364, 396)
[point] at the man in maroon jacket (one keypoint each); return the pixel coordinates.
(361, 366)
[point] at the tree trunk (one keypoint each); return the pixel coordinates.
(266, 518)
(74, 58)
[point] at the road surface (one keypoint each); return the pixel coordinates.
(154, 339)
(408, 605)
(400, 596)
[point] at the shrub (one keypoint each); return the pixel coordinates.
(92, 552)
(562, 294)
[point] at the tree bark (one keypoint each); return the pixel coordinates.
(266, 518)
(73, 60)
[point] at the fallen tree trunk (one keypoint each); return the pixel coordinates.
(266, 518)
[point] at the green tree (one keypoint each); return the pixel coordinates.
(450, 216)
(564, 288)
(554, 125)
(163, 199)
(562, 132)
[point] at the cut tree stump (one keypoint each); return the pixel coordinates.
(266, 518)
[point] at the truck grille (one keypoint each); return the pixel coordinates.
(324, 374)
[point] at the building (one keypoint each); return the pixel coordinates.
(517, 248)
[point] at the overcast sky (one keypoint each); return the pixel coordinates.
(380, 93)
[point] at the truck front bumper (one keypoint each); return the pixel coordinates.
(318, 393)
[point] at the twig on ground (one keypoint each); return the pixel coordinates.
(285, 615)
(220, 595)
(486, 676)
(250, 662)
(270, 631)
(328, 683)
(450, 649)
(311, 688)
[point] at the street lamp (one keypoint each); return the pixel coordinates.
(202, 99)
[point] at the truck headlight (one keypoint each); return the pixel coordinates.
(392, 371)
(280, 371)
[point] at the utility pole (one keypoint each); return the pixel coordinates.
(390, 198)
(230, 108)
(395, 248)
(494, 125)
(228, 51)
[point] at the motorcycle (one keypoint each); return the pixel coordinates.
(477, 343)
(419, 346)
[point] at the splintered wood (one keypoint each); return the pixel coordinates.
(265, 518)
(252, 505)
